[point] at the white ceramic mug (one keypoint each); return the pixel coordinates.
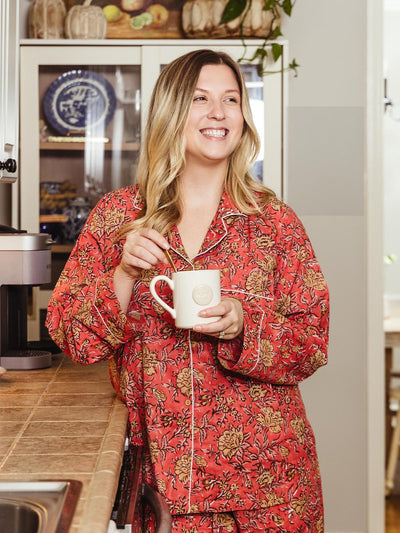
(193, 290)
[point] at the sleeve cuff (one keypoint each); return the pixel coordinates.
(242, 354)
(120, 326)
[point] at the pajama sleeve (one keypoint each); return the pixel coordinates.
(84, 317)
(285, 335)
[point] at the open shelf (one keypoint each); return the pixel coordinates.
(81, 146)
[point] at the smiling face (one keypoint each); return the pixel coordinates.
(215, 122)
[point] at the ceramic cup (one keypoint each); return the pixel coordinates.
(193, 290)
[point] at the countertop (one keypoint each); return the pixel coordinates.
(65, 422)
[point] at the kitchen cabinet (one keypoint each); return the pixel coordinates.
(91, 161)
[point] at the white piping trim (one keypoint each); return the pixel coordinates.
(248, 294)
(183, 257)
(261, 322)
(134, 200)
(192, 443)
(102, 319)
(259, 343)
(214, 245)
(224, 235)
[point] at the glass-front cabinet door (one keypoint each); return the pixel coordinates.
(80, 132)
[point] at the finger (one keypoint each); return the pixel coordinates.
(140, 262)
(212, 328)
(156, 237)
(230, 323)
(150, 253)
(220, 309)
(133, 265)
(141, 246)
(138, 256)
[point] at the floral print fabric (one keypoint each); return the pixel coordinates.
(281, 519)
(223, 420)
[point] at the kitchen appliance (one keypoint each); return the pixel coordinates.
(25, 261)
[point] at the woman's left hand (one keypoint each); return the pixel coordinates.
(230, 323)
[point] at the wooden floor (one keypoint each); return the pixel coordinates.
(393, 514)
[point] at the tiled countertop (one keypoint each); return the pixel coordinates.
(65, 422)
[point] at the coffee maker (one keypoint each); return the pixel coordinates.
(25, 261)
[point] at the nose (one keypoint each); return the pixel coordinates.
(216, 111)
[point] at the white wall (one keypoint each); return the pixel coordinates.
(327, 188)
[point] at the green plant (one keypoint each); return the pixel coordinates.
(389, 259)
(265, 53)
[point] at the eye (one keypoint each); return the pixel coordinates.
(232, 99)
(199, 99)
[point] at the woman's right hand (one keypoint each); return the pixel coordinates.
(143, 249)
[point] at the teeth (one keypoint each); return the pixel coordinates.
(214, 133)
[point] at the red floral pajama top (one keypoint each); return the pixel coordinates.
(223, 420)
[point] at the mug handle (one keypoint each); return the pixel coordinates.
(157, 297)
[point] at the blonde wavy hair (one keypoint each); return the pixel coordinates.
(162, 156)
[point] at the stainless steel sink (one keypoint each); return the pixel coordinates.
(17, 517)
(38, 506)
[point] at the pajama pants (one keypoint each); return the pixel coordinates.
(302, 512)
(281, 520)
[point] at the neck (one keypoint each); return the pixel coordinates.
(202, 184)
(197, 194)
(200, 194)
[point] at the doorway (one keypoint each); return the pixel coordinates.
(391, 225)
(374, 233)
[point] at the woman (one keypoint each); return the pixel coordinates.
(218, 407)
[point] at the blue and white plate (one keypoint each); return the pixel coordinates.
(80, 102)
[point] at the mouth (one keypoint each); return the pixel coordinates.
(212, 132)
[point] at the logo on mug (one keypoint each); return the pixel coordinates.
(202, 294)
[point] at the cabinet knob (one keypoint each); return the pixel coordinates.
(10, 166)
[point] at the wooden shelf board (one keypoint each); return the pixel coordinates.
(81, 146)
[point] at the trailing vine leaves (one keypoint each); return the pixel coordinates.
(233, 9)
(262, 55)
